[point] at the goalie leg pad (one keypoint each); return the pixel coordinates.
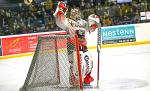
(87, 66)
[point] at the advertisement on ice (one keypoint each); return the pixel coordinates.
(118, 34)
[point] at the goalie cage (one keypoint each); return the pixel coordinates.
(50, 69)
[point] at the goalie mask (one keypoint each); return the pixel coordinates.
(75, 14)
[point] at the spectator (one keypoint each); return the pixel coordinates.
(136, 18)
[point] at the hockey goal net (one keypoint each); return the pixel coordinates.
(55, 65)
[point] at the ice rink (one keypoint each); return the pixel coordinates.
(121, 69)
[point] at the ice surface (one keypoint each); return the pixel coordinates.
(121, 69)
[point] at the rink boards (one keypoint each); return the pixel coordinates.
(112, 36)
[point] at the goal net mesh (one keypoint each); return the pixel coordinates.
(55, 65)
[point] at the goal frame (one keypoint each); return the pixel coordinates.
(31, 68)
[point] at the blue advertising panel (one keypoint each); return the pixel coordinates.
(118, 34)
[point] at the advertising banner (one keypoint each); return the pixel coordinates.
(17, 45)
(20, 44)
(118, 34)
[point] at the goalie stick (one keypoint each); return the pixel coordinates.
(98, 52)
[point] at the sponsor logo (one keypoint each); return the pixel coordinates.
(14, 43)
(13, 46)
(118, 34)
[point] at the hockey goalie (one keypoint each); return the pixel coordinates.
(75, 25)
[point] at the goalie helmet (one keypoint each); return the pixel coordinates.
(75, 14)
